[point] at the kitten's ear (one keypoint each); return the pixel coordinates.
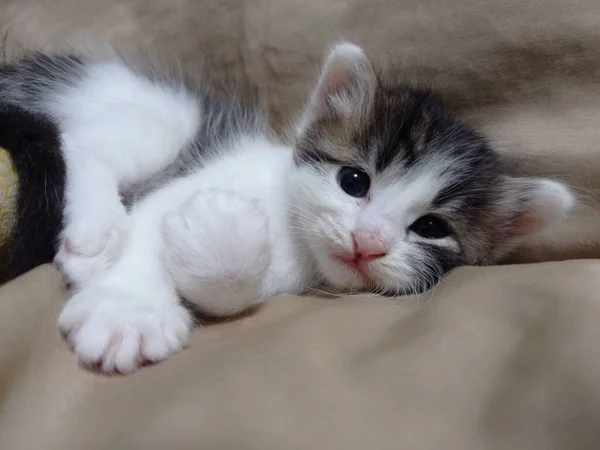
(346, 86)
(530, 204)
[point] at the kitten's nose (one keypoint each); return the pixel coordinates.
(368, 245)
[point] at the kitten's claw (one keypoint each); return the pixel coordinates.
(109, 330)
(89, 247)
(217, 250)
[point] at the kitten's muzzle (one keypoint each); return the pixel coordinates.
(366, 247)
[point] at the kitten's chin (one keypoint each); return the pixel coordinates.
(343, 274)
(342, 277)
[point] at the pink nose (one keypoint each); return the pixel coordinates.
(368, 245)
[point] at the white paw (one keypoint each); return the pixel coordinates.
(217, 251)
(110, 330)
(88, 247)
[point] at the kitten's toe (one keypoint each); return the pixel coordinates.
(111, 331)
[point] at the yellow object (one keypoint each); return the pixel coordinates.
(8, 195)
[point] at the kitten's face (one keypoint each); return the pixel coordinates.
(390, 192)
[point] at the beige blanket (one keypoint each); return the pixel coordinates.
(502, 357)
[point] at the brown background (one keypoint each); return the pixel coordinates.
(526, 73)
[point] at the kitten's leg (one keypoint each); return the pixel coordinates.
(217, 251)
(132, 314)
(118, 128)
(95, 220)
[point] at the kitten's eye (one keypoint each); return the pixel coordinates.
(354, 182)
(430, 227)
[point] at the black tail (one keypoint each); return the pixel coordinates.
(33, 142)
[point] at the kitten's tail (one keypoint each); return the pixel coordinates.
(31, 215)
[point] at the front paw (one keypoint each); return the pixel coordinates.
(115, 332)
(217, 251)
(88, 247)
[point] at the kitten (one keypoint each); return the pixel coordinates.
(383, 191)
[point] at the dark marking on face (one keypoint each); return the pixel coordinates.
(313, 155)
(443, 258)
(400, 141)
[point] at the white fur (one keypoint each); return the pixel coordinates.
(328, 217)
(232, 213)
(117, 129)
(247, 226)
(553, 200)
(218, 250)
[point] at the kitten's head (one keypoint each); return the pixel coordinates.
(389, 191)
